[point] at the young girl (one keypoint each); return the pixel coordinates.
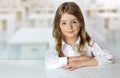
(72, 47)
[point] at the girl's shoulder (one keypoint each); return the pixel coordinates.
(93, 45)
(52, 43)
(90, 44)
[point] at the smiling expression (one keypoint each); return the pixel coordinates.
(69, 25)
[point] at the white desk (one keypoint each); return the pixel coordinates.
(31, 35)
(21, 69)
(29, 43)
(36, 69)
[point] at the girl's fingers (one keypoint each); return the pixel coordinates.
(71, 69)
(66, 67)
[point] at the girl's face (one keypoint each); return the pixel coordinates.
(69, 26)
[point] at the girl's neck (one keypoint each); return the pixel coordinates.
(71, 41)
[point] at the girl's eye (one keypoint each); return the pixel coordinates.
(74, 22)
(63, 23)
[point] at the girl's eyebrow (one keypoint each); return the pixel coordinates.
(74, 19)
(65, 20)
(62, 20)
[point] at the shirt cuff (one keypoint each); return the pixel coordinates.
(62, 61)
(102, 61)
(56, 63)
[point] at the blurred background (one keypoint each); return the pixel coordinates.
(26, 26)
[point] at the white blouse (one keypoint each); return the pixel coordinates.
(52, 60)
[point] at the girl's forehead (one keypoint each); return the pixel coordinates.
(66, 16)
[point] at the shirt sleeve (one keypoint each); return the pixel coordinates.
(102, 56)
(52, 60)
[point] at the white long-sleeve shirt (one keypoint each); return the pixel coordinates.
(52, 59)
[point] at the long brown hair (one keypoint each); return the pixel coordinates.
(73, 9)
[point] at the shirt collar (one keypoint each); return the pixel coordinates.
(76, 43)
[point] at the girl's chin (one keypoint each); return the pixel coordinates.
(71, 36)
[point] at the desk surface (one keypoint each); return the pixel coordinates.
(36, 69)
(31, 35)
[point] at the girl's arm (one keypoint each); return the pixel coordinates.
(98, 57)
(102, 56)
(80, 63)
(53, 61)
(75, 58)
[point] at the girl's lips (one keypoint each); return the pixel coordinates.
(70, 31)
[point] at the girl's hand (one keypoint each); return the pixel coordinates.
(80, 63)
(73, 65)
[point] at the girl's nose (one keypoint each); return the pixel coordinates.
(69, 25)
